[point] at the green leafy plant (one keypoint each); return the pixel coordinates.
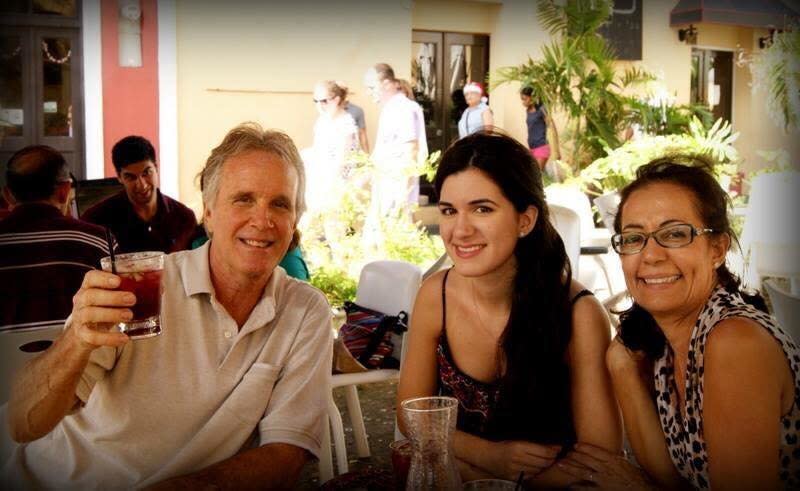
(339, 240)
(576, 76)
(618, 167)
(776, 70)
(660, 116)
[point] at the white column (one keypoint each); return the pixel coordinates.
(93, 89)
(168, 98)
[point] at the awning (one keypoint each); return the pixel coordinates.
(772, 14)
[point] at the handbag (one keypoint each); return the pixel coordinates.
(367, 334)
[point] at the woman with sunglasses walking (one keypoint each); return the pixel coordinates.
(335, 137)
(707, 383)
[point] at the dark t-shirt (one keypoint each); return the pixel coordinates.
(43, 258)
(537, 128)
(170, 230)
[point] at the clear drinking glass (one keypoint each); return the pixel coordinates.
(141, 275)
(431, 425)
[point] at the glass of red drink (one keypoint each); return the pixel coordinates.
(141, 275)
(401, 461)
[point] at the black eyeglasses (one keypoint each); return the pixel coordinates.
(671, 237)
(322, 101)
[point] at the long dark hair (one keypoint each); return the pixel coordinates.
(534, 401)
(638, 330)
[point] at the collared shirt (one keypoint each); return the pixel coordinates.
(171, 229)
(43, 258)
(397, 125)
(195, 395)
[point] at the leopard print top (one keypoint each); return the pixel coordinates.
(684, 438)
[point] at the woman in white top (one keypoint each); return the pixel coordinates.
(477, 115)
(335, 137)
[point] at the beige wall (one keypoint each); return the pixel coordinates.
(265, 58)
(454, 16)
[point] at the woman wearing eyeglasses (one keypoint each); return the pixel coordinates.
(335, 137)
(707, 383)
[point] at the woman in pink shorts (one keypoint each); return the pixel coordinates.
(536, 120)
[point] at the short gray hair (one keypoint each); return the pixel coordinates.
(251, 136)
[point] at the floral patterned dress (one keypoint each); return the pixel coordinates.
(684, 437)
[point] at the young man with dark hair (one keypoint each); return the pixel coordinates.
(141, 217)
(43, 253)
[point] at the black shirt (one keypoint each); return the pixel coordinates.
(537, 128)
(171, 228)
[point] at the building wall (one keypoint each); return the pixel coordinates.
(243, 60)
(130, 95)
(252, 61)
(455, 16)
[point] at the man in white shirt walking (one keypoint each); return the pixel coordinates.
(396, 142)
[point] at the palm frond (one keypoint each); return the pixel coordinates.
(552, 17)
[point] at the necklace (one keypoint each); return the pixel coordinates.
(478, 311)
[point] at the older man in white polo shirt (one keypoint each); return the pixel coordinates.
(401, 128)
(233, 393)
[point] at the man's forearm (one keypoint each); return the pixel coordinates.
(44, 389)
(271, 466)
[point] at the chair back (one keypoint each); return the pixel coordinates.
(389, 287)
(16, 348)
(576, 200)
(567, 224)
(785, 308)
(771, 232)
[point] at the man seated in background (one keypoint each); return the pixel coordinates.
(141, 217)
(233, 394)
(44, 253)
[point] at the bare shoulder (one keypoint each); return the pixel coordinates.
(740, 340)
(587, 310)
(591, 329)
(428, 305)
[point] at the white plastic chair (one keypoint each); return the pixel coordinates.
(16, 348)
(595, 242)
(771, 233)
(388, 287)
(785, 308)
(567, 224)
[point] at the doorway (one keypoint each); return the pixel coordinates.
(441, 64)
(41, 83)
(712, 81)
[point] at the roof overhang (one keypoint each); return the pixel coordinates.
(771, 14)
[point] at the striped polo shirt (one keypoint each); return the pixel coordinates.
(43, 258)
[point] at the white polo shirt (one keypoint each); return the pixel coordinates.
(397, 125)
(195, 395)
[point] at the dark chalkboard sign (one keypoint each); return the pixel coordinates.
(624, 29)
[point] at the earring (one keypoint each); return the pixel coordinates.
(521, 235)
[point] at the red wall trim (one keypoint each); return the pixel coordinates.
(130, 95)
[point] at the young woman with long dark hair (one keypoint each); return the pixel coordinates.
(506, 331)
